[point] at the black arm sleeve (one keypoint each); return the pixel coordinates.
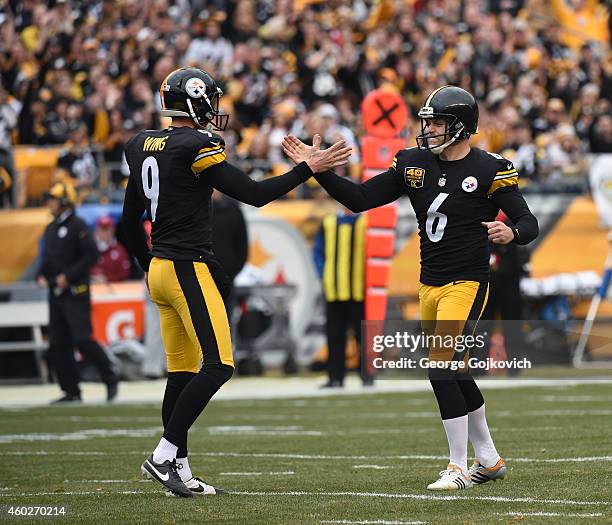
(136, 238)
(512, 203)
(235, 183)
(381, 189)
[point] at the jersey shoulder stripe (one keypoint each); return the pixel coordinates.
(206, 152)
(500, 171)
(505, 181)
(206, 160)
(505, 174)
(501, 174)
(210, 151)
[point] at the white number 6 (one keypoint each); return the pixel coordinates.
(432, 215)
(151, 191)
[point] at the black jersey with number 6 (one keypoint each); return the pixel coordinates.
(451, 200)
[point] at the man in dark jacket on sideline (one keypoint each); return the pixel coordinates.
(69, 253)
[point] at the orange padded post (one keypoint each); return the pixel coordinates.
(384, 115)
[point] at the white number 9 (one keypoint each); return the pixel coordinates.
(151, 191)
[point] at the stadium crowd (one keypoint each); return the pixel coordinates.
(85, 74)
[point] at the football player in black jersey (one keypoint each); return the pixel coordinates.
(456, 192)
(172, 175)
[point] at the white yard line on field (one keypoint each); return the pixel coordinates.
(552, 514)
(423, 497)
(376, 522)
(106, 481)
(267, 455)
(431, 497)
(570, 412)
(80, 435)
(283, 473)
(374, 467)
(571, 399)
(256, 430)
(75, 493)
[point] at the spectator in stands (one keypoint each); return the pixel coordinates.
(581, 21)
(212, 51)
(99, 57)
(555, 115)
(250, 88)
(257, 157)
(521, 150)
(77, 162)
(564, 156)
(600, 134)
(8, 121)
(68, 254)
(114, 263)
(114, 147)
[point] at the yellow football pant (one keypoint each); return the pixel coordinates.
(446, 309)
(193, 319)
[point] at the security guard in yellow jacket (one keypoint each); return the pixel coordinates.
(339, 256)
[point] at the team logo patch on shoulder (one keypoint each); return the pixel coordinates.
(414, 176)
(469, 184)
(195, 87)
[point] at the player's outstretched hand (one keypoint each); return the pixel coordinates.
(317, 159)
(499, 233)
(295, 149)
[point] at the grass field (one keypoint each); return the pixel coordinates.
(343, 459)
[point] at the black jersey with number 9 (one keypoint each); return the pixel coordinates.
(166, 167)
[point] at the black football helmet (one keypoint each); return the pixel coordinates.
(191, 92)
(460, 111)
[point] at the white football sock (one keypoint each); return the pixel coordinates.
(481, 439)
(457, 435)
(165, 451)
(184, 469)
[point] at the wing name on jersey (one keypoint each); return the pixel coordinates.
(154, 143)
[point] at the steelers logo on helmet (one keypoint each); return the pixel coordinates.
(195, 87)
(191, 92)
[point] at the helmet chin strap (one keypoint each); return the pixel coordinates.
(193, 114)
(436, 150)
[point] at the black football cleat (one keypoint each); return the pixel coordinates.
(333, 383)
(67, 399)
(167, 474)
(112, 389)
(200, 488)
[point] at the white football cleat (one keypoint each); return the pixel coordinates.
(199, 488)
(481, 474)
(453, 478)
